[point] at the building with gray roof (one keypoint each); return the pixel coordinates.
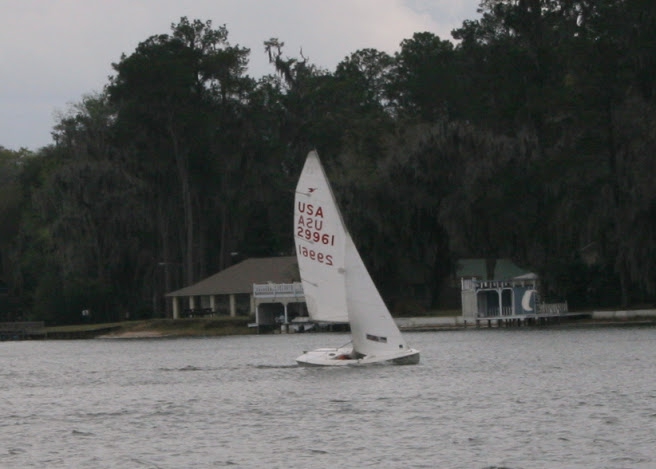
(231, 290)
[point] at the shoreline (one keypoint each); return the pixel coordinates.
(224, 326)
(419, 324)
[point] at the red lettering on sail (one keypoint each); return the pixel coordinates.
(316, 256)
(310, 223)
(314, 236)
(309, 209)
(309, 228)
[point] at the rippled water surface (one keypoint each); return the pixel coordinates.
(547, 398)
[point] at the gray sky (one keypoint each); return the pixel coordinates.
(53, 52)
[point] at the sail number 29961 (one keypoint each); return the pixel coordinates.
(316, 255)
(315, 236)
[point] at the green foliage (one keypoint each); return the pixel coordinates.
(10, 195)
(426, 82)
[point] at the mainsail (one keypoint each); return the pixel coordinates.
(320, 238)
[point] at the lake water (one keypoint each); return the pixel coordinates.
(519, 398)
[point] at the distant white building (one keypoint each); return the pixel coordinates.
(498, 290)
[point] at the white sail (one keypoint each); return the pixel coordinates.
(372, 326)
(320, 235)
(336, 284)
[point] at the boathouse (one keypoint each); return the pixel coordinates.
(497, 291)
(231, 291)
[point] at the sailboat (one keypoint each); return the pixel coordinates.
(336, 283)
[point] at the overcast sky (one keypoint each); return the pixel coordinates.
(53, 52)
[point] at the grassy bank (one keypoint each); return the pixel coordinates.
(191, 327)
(154, 328)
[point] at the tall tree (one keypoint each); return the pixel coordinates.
(176, 98)
(93, 212)
(425, 80)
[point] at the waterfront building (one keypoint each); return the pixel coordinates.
(231, 291)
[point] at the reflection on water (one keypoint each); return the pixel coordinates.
(547, 398)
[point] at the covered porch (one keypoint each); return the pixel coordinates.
(211, 305)
(280, 305)
(230, 291)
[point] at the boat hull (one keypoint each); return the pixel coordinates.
(341, 357)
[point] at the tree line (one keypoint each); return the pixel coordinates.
(531, 136)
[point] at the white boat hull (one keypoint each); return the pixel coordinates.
(342, 357)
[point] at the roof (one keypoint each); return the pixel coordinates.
(503, 269)
(240, 278)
